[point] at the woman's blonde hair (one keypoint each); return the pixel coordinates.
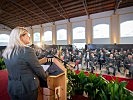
(14, 44)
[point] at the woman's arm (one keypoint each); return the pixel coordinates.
(34, 63)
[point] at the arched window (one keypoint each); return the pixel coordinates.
(61, 37)
(126, 29)
(48, 36)
(4, 39)
(79, 33)
(79, 37)
(37, 37)
(62, 34)
(101, 31)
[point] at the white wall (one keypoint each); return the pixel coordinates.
(5, 32)
(4, 29)
(123, 18)
(98, 18)
(4, 35)
(61, 26)
(97, 21)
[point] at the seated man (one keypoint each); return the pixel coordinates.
(78, 61)
(131, 71)
(111, 64)
(101, 58)
(93, 61)
(87, 59)
(128, 63)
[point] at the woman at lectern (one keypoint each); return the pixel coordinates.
(24, 70)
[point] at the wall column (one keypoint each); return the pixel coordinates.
(88, 31)
(41, 35)
(54, 37)
(31, 35)
(69, 33)
(115, 29)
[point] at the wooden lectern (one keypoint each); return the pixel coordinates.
(55, 84)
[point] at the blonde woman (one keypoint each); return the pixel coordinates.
(23, 67)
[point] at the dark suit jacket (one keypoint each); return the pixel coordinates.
(24, 72)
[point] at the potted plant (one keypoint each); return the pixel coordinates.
(116, 91)
(76, 85)
(2, 64)
(94, 87)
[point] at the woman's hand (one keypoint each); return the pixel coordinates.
(42, 60)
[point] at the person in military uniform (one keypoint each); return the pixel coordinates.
(101, 58)
(111, 64)
(118, 60)
(124, 55)
(78, 60)
(93, 61)
(128, 63)
(87, 59)
(67, 57)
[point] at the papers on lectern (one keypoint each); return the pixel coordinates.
(45, 67)
(52, 68)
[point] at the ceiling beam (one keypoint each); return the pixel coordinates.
(94, 2)
(11, 25)
(67, 1)
(15, 24)
(24, 13)
(5, 24)
(32, 12)
(102, 3)
(1, 3)
(73, 7)
(78, 2)
(72, 3)
(60, 14)
(128, 4)
(117, 4)
(12, 22)
(80, 6)
(28, 10)
(86, 7)
(102, 8)
(49, 19)
(62, 9)
(52, 13)
(19, 18)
